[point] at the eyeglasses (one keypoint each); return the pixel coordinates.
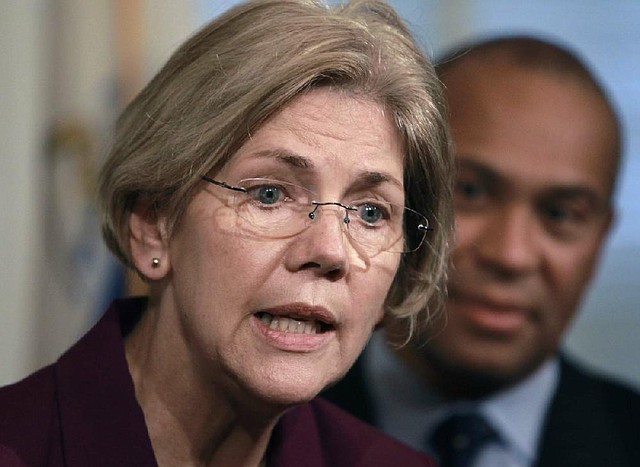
(277, 209)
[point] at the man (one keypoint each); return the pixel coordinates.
(537, 147)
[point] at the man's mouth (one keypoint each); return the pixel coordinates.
(293, 324)
(491, 315)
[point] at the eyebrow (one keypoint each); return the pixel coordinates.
(294, 160)
(287, 157)
(374, 178)
(487, 173)
(570, 193)
(563, 191)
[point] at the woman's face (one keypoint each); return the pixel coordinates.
(281, 318)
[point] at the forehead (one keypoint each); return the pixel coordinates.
(536, 129)
(328, 132)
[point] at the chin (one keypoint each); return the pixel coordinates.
(288, 397)
(289, 388)
(477, 375)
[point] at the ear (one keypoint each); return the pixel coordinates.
(148, 240)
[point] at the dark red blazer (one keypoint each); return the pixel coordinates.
(82, 411)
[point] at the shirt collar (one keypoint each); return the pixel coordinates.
(517, 413)
(402, 403)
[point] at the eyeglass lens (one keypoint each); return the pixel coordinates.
(276, 208)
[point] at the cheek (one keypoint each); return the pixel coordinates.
(570, 270)
(377, 314)
(376, 288)
(573, 265)
(207, 260)
(241, 264)
(572, 273)
(466, 233)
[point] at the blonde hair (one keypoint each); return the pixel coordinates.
(246, 65)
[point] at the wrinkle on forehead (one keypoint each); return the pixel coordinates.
(308, 122)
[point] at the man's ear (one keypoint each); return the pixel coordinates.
(148, 240)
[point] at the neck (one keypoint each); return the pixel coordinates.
(191, 417)
(449, 382)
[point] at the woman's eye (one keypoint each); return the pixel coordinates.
(370, 213)
(267, 194)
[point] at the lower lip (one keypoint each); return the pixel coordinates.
(502, 320)
(293, 342)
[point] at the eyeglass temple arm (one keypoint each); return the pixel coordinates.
(224, 185)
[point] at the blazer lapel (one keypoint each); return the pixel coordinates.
(579, 430)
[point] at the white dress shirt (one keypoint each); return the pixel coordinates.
(409, 410)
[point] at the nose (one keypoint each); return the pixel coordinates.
(508, 245)
(322, 247)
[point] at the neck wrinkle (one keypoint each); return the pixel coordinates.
(189, 419)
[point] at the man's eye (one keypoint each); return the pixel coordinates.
(558, 213)
(564, 221)
(567, 213)
(468, 189)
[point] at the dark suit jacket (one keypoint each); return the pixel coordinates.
(591, 421)
(82, 411)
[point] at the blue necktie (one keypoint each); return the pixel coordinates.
(459, 438)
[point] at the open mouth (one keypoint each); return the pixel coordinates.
(293, 324)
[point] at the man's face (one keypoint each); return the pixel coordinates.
(535, 159)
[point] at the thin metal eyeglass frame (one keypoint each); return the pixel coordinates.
(312, 215)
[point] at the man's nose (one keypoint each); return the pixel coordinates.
(510, 241)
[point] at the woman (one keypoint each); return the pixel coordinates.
(272, 184)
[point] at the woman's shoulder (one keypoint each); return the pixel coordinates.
(28, 418)
(325, 435)
(28, 397)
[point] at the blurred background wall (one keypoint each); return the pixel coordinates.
(68, 66)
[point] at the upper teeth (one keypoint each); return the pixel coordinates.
(286, 324)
